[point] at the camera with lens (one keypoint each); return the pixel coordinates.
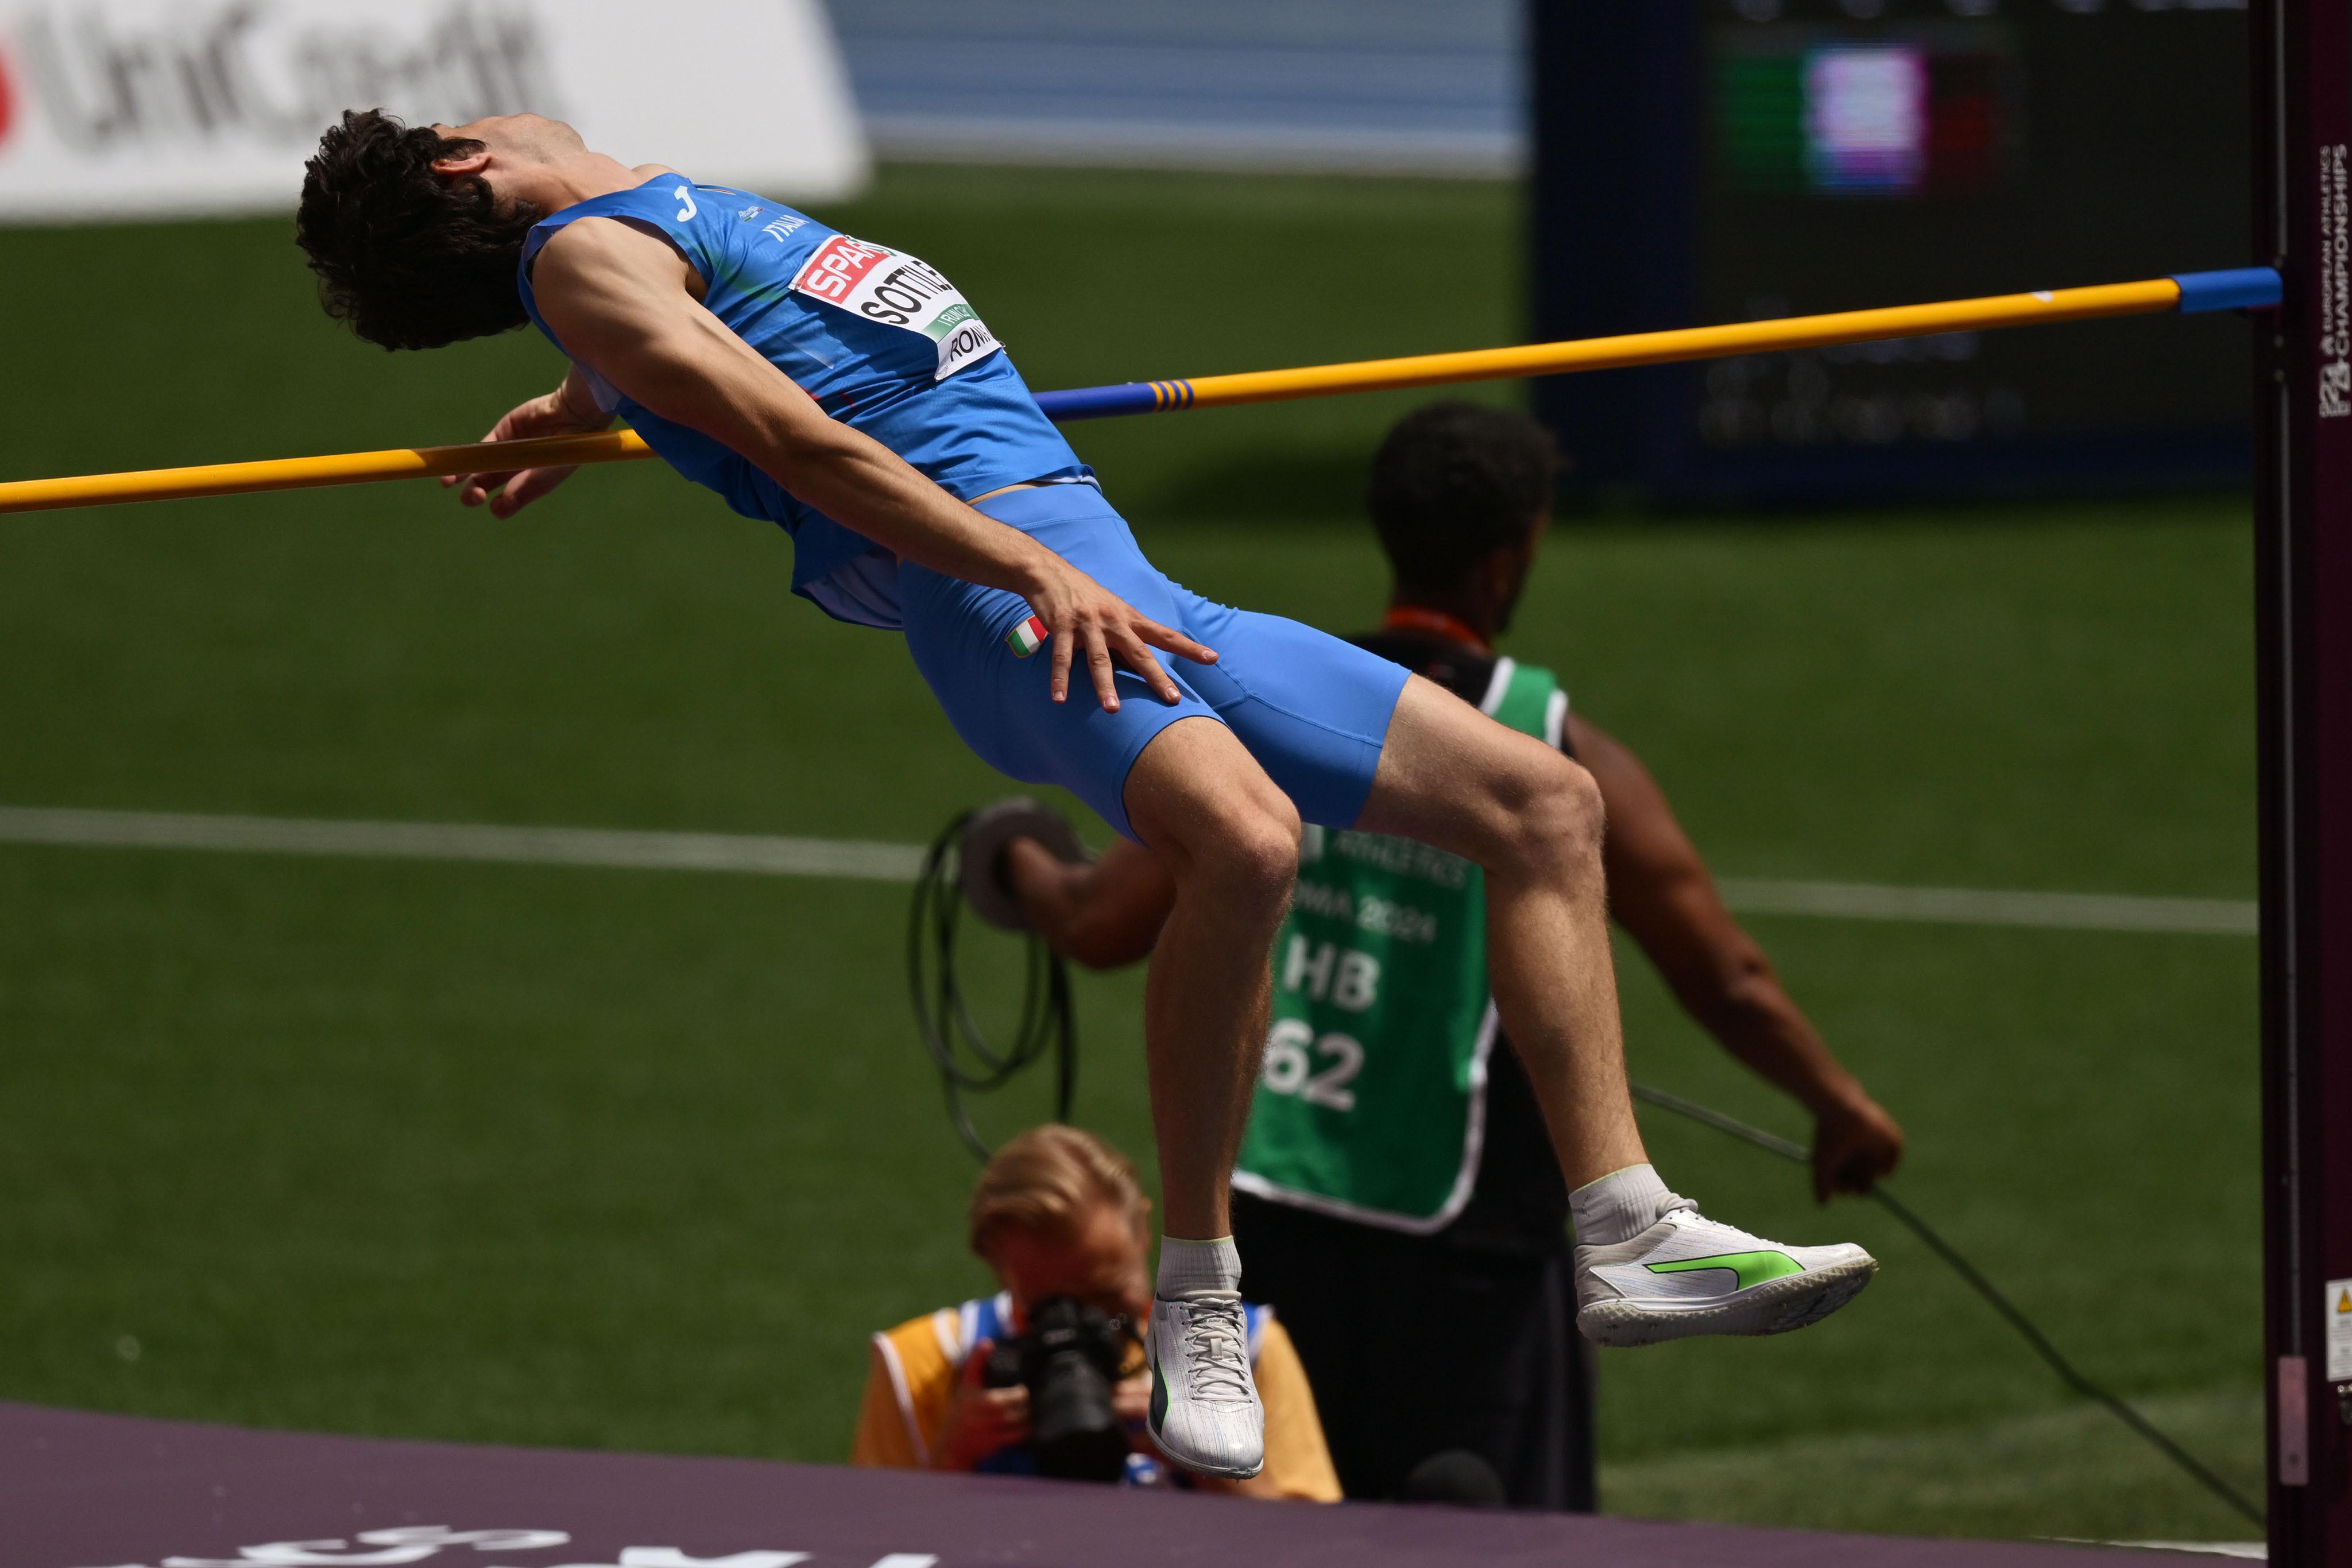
(1069, 1360)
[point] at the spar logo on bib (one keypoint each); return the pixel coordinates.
(898, 290)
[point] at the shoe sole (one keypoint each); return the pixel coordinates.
(1221, 1472)
(1777, 1307)
(1223, 1475)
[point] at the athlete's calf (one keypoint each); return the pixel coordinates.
(1230, 840)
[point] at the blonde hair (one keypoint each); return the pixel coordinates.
(1043, 1181)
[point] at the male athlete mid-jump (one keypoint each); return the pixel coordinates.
(849, 393)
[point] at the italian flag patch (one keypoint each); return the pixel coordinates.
(1026, 638)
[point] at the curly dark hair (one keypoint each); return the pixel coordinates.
(410, 258)
(1454, 481)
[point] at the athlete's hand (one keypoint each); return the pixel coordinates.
(1855, 1143)
(981, 1419)
(1084, 618)
(563, 412)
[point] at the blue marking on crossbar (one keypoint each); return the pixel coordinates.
(2234, 288)
(1101, 402)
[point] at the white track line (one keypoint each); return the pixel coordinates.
(866, 859)
(1987, 906)
(756, 854)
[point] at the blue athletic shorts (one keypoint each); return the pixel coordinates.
(1312, 709)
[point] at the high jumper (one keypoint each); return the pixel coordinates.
(850, 393)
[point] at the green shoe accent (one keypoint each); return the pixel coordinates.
(1158, 1414)
(1749, 1267)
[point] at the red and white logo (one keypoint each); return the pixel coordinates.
(839, 266)
(7, 99)
(898, 290)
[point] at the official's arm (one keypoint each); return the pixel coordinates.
(1661, 892)
(1105, 913)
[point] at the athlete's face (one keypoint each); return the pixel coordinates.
(515, 152)
(524, 138)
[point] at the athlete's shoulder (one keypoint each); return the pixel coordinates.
(597, 220)
(646, 191)
(578, 272)
(618, 233)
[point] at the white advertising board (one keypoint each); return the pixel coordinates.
(137, 109)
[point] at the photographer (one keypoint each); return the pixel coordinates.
(1047, 1376)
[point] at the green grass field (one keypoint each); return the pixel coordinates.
(635, 1159)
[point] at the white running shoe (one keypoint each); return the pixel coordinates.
(1206, 1413)
(1688, 1275)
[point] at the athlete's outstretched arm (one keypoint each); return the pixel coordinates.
(621, 301)
(1664, 895)
(570, 410)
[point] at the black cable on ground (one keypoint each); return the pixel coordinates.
(1983, 1287)
(949, 1032)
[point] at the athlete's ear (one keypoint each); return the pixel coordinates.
(463, 164)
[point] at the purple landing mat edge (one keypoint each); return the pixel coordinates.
(79, 1489)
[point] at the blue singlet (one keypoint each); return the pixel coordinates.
(883, 342)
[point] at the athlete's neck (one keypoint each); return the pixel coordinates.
(1423, 614)
(565, 182)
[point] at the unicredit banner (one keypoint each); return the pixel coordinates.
(130, 109)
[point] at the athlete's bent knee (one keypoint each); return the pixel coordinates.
(1553, 816)
(1228, 824)
(1255, 847)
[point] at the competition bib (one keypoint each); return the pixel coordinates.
(898, 290)
(1370, 1103)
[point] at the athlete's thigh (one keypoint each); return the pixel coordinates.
(1313, 709)
(1455, 778)
(1000, 703)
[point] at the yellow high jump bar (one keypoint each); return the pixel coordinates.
(2238, 288)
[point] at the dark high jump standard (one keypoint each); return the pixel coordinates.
(2302, 59)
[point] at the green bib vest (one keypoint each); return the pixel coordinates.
(1372, 1101)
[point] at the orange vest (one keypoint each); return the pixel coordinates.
(916, 1366)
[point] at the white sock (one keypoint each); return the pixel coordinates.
(1195, 1268)
(1620, 1206)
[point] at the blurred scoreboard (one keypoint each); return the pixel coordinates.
(1707, 161)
